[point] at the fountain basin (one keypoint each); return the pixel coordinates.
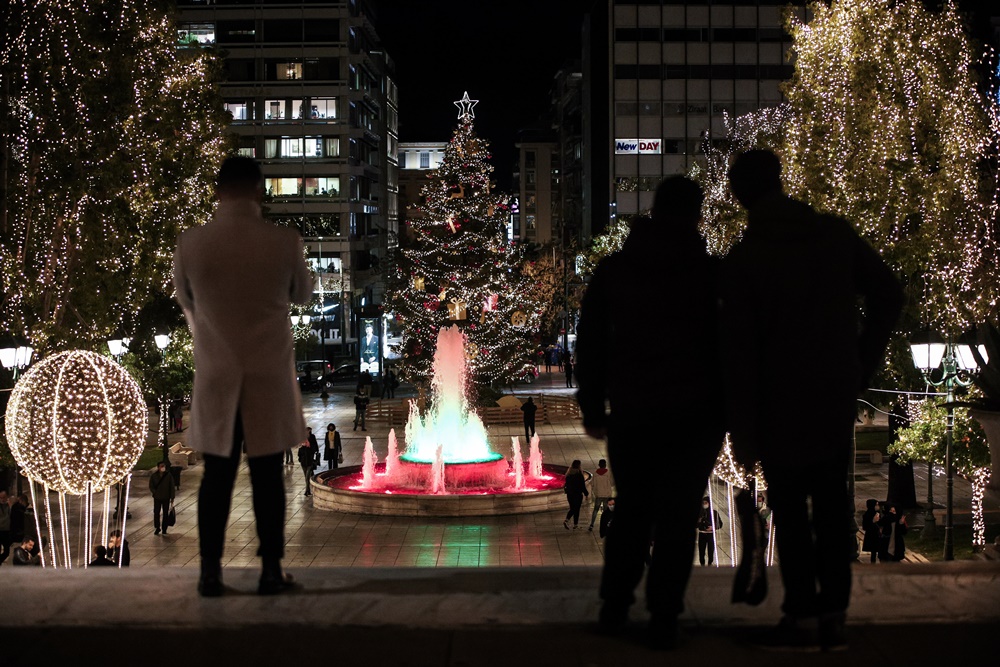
(340, 490)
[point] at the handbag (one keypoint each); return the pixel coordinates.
(171, 515)
(340, 457)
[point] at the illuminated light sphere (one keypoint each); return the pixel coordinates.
(76, 417)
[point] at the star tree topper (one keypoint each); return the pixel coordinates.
(465, 106)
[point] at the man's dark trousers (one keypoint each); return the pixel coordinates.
(648, 509)
(216, 494)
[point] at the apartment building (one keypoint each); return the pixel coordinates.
(312, 98)
(659, 76)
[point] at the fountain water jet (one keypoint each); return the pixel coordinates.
(447, 455)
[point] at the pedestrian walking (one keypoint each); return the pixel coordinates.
(529, 408)
(575, 487)
(307, 460)
(289, 457)
(795, 269)
(313, 445)
(666, 255)
(333, 452)
(568, 365)
(709, 521)
(240, 256)
(607, 516)
(360, 407)
(602, 488)
(161, 487)
(872, 532)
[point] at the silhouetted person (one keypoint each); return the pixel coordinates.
(790, 291)
(659, 482)
(236, 278)
(529, 409)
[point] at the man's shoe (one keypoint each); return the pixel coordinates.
(661, 634)
(791, 634)
(591, 527)
(156, 532)
(275, 584)
(210, 586)
(566, 525)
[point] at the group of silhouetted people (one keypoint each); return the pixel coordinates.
(789, 289)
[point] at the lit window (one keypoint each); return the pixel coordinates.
(274, 109)
(323, 107)
(196, 34)
(283, 187)
(289, 71)
(239, 110)
(425, 160)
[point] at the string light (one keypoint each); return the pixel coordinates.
(889, 129)
(461, 269)
(75, 419)
(114, 136)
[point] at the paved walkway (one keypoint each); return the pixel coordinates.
(459, 592)
(318, 538)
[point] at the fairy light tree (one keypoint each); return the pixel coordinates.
(460, 268)
(888, 127)
(112, 137)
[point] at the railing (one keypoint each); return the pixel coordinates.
(395, 411)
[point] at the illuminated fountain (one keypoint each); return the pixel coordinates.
(448, 467)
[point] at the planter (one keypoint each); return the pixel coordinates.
(990, 421)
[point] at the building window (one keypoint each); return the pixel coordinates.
(332, 147)
(322, 186)
(283, 187)
(529, 159)
(529, 222)
(425, 160)
(239, 110)
(401, 159)
(289, 71)
(275, 110)
(196, 34)
(323, 107)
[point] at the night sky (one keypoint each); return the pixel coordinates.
(505, 54)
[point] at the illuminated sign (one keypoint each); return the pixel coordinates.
(638, 146)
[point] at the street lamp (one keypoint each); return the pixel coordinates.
(162, 342)
(15, 358)
(958, 366)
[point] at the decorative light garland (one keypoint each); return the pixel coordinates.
(76, 421)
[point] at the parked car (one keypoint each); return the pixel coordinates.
(310, 374)
(343, 373)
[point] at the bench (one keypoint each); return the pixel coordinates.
(874, 456)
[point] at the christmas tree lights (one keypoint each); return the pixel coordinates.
(114, 135)
(461, 269)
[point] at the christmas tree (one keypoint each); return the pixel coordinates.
(112, 135)
(460, 268)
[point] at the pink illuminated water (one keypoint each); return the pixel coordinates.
(447, 448)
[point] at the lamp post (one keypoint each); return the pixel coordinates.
(162, 341)
(15, 358)
(118, 346)
(958, 366)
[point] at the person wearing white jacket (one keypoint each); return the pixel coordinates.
(602, 489)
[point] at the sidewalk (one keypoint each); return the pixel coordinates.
(513, 590)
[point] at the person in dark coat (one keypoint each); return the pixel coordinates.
(791, 289)
(894, 529)
(664, 255)
(307, 459)
(332, 449)
(709, 522)
(101, 557)
(118, 549)
(568, 365)
(870, 525)
(529, 408)
(360, 406)
(161, 487)
(575, 488)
